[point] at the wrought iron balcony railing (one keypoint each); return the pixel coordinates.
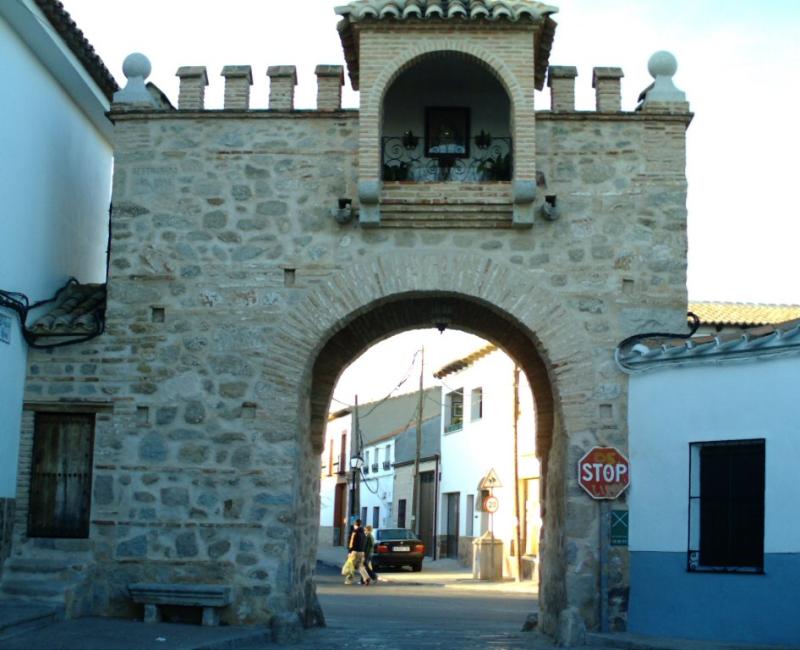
(404, 159)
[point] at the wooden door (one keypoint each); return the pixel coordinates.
(61, 475)
(339, 521)
(426, 497)
(452, 524)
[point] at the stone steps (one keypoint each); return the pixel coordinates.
(50, 573)
(19, 617)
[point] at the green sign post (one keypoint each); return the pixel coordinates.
(619, 528)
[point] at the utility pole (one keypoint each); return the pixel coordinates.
(516, 473)
(356, 470)
(415, 493)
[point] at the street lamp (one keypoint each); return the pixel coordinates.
(356, 463)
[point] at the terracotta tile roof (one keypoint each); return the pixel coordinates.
(461, 10)
(444, 9)
(742, 313)
(761, 341)
(464, 362)
(78, 311)
(63, 24)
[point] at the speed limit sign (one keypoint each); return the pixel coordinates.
(491, 504)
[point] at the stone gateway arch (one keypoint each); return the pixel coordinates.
(256, 253)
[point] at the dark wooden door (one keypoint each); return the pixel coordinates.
(61, 475)
(339, 522)
(452, 524)
(426, 497)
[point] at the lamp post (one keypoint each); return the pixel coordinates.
(356, 463)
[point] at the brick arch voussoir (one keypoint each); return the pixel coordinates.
(393, 69)
(353, 291)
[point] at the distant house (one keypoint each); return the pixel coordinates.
(405, 446)
(55, 180)
(714, 444)
(369, 434)
(479, 428)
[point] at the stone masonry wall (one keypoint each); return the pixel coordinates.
(6, 529)
(228, 273)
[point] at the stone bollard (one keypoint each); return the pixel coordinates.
(238, 79)
(487, 558)
(282, 80)
(191, 93)
(607, 89)
(561, 81)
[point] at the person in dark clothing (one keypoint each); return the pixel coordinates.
(369, 547)
(356, 545)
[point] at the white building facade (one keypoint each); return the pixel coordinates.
(478, 437)
(714, 446)
(55, 180)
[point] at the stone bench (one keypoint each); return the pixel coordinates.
(209, 597)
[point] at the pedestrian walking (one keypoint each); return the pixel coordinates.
(356, 545)
(369, 547)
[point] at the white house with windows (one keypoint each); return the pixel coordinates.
(714, 440)
(55, 183)
(368, 433)
(377, 482)
(488, 426)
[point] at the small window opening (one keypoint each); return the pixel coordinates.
(476, 404)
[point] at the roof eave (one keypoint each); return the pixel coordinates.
(48, 38)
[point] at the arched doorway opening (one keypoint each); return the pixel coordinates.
(400, 312)
(446, 117)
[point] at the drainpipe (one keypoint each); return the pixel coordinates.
(436, 509)
(517, 535)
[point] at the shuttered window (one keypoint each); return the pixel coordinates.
(726, 506)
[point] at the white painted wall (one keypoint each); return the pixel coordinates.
(670, 408)
(377, 488)
(488, 443)
(55, 184)
(333, 436)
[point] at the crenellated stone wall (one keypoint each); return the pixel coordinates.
(230, 276)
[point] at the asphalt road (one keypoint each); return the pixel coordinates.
(390, 616)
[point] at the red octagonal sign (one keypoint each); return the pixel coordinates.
(604, 473)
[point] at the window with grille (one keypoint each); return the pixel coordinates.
(454, 410)
(401, 513)
(726, 506)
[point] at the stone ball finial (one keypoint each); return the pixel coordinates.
(136, 64)
(136, 68)
(662, 64)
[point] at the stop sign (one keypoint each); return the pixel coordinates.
(604, 473)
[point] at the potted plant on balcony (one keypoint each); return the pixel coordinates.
(398, 172)
(495, 168)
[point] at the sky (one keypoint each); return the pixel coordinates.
(737, 62)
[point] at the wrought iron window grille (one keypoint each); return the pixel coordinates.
(404, 159)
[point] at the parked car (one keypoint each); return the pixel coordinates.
(397, 547)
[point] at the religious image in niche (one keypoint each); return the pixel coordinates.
(447, 132)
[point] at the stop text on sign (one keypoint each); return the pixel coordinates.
(604, 473)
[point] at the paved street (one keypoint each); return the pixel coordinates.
(400, 613)
(441, 607)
